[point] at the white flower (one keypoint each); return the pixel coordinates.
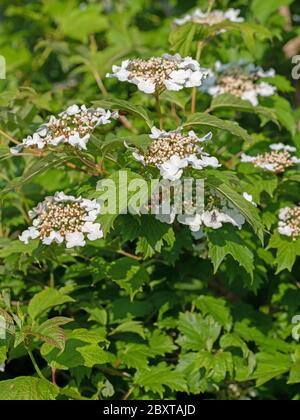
(91, 216)
(76, 140)
(72, 110)
(283, 213)
(35, 140)
(239, 79)
(251, 96)
(247, 159)
(285, 229)
(93, 230)
(62, 197)
(210, 18)
(281, 146)
(73, 126)
(265, 89)
(172, 169)
(173, 151)
(90, 205)
(64, 218)
(215, 218)
(171, 72)
(56, 141)
(2, 367)
(289, 222)
(278, 160)
(193, 221)
(27, 235)
(53, 237)
(75, 239)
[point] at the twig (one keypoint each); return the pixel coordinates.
(78, 168)
(129, 255)
(127, 395)
(53, 371)
(9, 137)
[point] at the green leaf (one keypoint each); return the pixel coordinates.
(233, 340)
(227, 242)
(120, 196)
(263, 10)
(181, 38)
(129, 274)
(78, 23)
(287, 251)
(121, 105)
(211, 121)
(270, 366)
(217, 308)
(285, 113)
(129, 327)
(45, 300)
(141, 141)
(135, 355)
(158, 377)
(197, 332)
(27, 388)
(18, 247)
(294, 377)
(94, 336)
(161, 343)
(256, 184)
(154, 235)
(76, 353)
(51, 333)
(234, 102)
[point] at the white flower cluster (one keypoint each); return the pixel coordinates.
(239, 79)
(153, 76)
(278, 160)
(172, 151)
(289, 222)
(211, 18)
(64, 218)
(73, 126)
(218, 212)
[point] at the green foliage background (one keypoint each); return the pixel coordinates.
(145, 313)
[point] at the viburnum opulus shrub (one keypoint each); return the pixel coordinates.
(153, 303)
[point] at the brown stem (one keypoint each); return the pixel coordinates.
(53, 376)
(127, 254)
(9, 137)
(88, 163)
(127, 124)
(78, 168)
(127, 395)
(158, 109)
